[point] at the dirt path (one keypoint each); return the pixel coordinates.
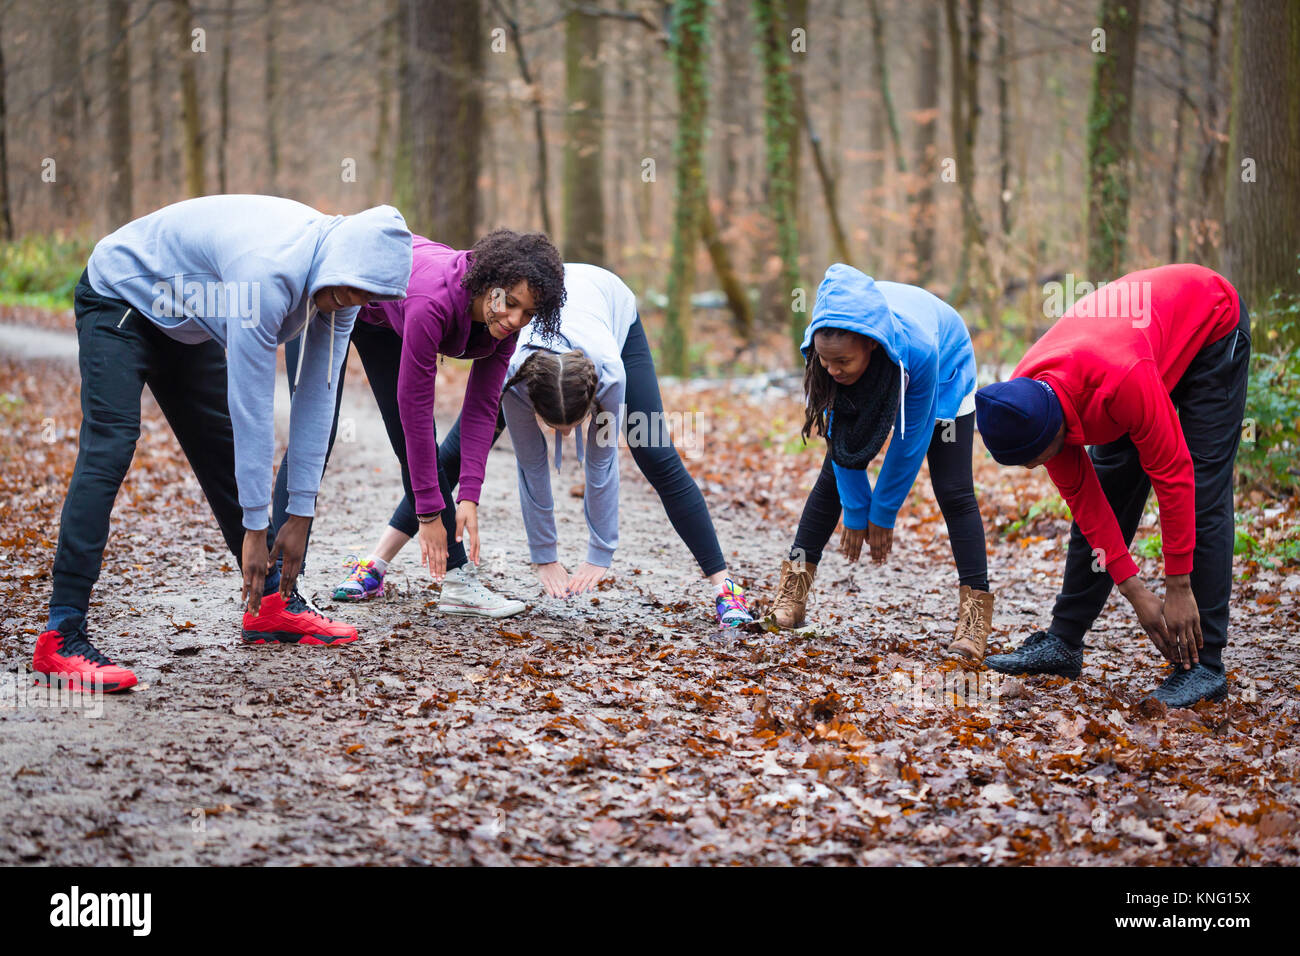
(620, 728)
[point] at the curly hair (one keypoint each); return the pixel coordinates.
(562, 388)
(503, 258)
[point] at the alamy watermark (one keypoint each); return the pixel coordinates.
(18, 690)
(934, 688)
(179, 297)
(1125, 299)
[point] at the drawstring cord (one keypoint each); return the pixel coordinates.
(902, 403)
(302, 340)
(302, 346)
(329, 376)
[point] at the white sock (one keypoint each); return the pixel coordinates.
(718, 589)
(380, 564)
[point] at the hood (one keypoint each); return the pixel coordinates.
(370, 250)
(849, 299)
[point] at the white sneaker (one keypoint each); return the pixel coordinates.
(463, 594)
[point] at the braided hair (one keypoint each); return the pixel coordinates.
(504, 258)
(562, 388)
(818, 387)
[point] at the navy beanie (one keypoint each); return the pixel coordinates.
(1017, 419)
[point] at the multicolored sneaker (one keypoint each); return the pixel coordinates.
(293, 622)
(363, 583)
(70, 661)
(732, 608)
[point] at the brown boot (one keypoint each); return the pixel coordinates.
(792, 594)
(974, 624)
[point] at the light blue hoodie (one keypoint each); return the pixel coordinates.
(242, 270)
(927, 340)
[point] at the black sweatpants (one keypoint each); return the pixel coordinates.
(954, 489)
(1211, 400)
(380, 350)
(658, 461)
(121, 351)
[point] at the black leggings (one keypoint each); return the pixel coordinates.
(954, 488)
(658, 460)
(381, 352)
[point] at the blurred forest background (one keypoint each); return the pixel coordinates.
(718, 155)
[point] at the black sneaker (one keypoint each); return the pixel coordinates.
(1183, 688)
(1042, 653)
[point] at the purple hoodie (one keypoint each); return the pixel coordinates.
(433, 320)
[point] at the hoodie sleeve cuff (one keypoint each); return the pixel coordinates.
(255, 519)
(543, 555)
(879, 518)
(428, 500)
(1121, 569)
(1178, 563)
(856, 518)
(470, 490)
(601, 557)
(302, 504)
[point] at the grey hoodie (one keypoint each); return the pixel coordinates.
(242, 270)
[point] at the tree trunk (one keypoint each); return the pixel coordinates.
(191, 124)
(584, 205)
(781, 133)
(1207, 229)
(6, 215)
(539, 122)
(1262, 224)
(157, 136)
(741, 313)
(690, 69)
(223, 130)
(1003, 71)
(270, 99)
(882, 81)
(1109, 139)
(735, 45)
(379, 151)
(965, 110)
(1180, 113)
(828, 186)
(446, 118)
(927, 122)
(120, 177)
(66, 84)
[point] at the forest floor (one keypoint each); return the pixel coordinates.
(615, 728)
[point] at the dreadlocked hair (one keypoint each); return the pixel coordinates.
(504, 258)
(562, 388)
(818, 386)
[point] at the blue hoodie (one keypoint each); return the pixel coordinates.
(927, 340)
(242, 270)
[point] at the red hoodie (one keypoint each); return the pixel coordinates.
(1112, 359)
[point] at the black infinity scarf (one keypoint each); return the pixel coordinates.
(864, 413)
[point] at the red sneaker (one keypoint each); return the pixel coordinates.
(293, 622)
(71, 661)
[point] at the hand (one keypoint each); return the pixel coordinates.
(554, 578)
(851, 542)
(1183, 618)
(585, 578)
(881, 541)
(433, 548)
(254, 562)
(1150, 614)
(467, 523)
(291, 545)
